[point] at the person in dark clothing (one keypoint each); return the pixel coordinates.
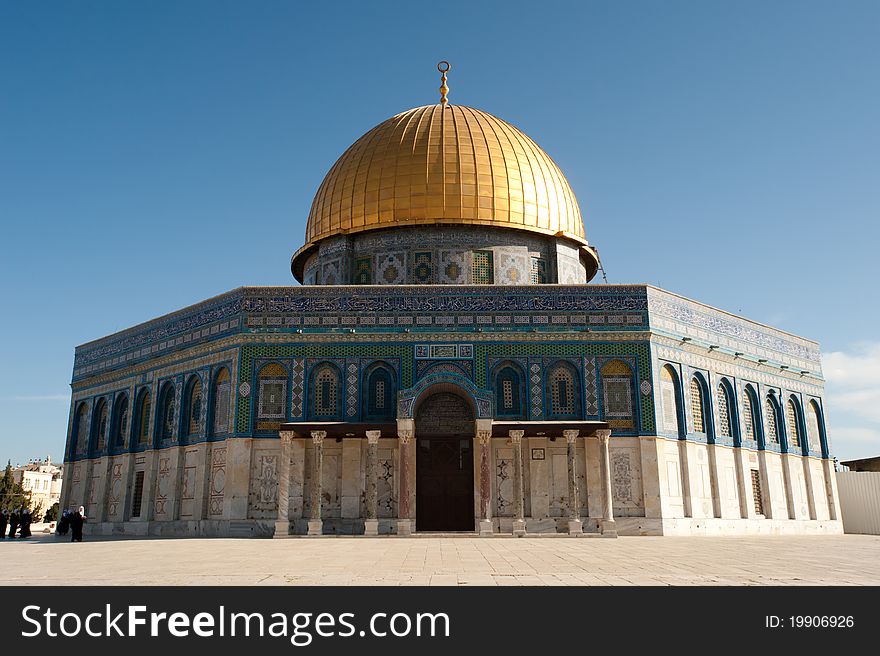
(13, 523)
(76, 524)
(63, 523)
(4, 520)
(25, 531)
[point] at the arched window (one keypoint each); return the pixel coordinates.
(509, 391)
(380, 393)
(725, 428)
(793, 423)
(750, 414)
(120, 422)
(192, 422)
(272, 392)
(617, 395)
(669, 399)
(772, 420)
(325, 391)
(166, 412)
(814, 427)
(563, 391)
(698, 413)
(220, 411)
(142, 420)
(80, 443)
(99, 426)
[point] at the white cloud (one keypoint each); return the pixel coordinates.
(852, 400)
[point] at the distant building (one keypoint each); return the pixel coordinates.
(863, 464)
(42, 479)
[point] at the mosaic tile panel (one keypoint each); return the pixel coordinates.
(536, 380)
(297, 394)
(391, 269)
(363, 271)
(352, 375)
(590, 387)
(423, 268)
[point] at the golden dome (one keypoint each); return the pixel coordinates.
(444, 165)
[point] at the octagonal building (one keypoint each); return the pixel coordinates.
(446, 365)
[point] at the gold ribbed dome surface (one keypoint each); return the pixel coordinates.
(452, 165)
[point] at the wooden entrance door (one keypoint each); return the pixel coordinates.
(445, 484)
(444, 464)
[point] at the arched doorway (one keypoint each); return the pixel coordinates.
(444, 464)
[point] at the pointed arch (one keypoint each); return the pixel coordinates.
(670, 401)
(509, 387)
(165, 429)
(119, 429)
(563, 391)
(80, 432)
(793, 423)
(141, 430)
(379, 396)
(772, 420)
(100, 420)
(698, 392)
(326, 392)
(221, 395)
(816, 429)
(727, 428)
(192, 406)
(752, 427)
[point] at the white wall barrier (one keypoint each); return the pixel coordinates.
(859, 501)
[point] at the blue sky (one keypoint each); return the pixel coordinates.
(155, 154)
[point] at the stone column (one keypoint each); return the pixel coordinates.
(371, 523)
(484, 437)
(575, 526)
(607, 525)
(404, 520)
(282, 524)
(519, 522)
(316, 526)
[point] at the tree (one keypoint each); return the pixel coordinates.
(12, 494)
(37, 512)
(52, 513)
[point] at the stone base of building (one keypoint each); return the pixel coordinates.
(206, 528)
(591, 526)
(718, 527)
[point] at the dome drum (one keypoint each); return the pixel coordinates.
(454, 173)
(446, 254)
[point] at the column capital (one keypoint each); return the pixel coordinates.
(318, 436)
(405, 435)
(484, 436)
(287, 436)
(373, 436)
(516, 436)
(570, 435)
(603, 434)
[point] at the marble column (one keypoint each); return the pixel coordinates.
(607, 526)
(282, 523)
(371, 523)
(316, 526)
(484, 437)
(404, 518)
(519, 520)
(575, 526)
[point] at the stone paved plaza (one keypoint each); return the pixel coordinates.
(802, 560)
